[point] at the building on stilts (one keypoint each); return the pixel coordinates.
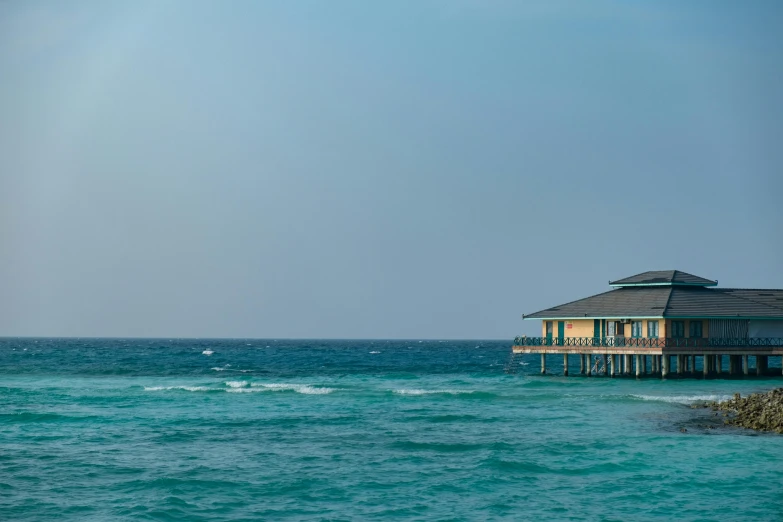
(664, 323)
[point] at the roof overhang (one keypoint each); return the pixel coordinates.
(623, 285)
(618, 317)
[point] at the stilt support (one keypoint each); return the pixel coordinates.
(664, 366)
(565, 365)
(543, 363)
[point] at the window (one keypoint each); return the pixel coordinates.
(695, 329)
(619, 329)
(678, 328)
(636, 329)
(610, 328)
(652, 329)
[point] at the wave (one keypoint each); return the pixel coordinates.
(298, 388)
(682, 399)
(449, 391)
(186, 388)
(248, 387)
(207, 352)
(375, 351)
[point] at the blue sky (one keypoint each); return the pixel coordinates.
(377, 169)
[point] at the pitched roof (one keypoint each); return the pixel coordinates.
(671, 302)
(622, 302)
(664, 278)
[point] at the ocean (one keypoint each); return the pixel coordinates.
(248, 429)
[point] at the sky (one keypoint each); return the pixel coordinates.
(353, 169)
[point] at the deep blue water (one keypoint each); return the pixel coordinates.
(164, 429)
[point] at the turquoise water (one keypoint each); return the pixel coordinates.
(340, 430)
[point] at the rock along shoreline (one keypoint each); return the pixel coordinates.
(757, 411)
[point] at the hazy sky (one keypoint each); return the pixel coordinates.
(403, 169)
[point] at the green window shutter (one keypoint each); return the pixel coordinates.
(652, 329)
(678, 328)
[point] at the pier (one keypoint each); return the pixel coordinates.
(664, 358)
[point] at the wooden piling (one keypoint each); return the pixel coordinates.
(606, 364)
(745, 368)
(613, 364)
(565, 365)
(761, 364)
(638, 366)
(706, 365)
(665, 366)
(581, 364)
(543, 363)
(589, 359)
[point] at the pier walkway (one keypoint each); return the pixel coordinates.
(664, 357)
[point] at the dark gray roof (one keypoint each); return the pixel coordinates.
(671, 302)
(664, 278)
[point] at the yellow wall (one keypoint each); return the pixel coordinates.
(585, 328)
(580, 328)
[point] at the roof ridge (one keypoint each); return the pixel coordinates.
(669, 298)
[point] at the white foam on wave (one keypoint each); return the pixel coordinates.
(218, 369)
(449, 391)
(298, 388)
(682, 399)
(186, 388)
(375, 352)
(207, 352)
(237, 384)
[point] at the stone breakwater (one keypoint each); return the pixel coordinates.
(757, 411)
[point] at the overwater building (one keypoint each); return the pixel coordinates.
(663, 322)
